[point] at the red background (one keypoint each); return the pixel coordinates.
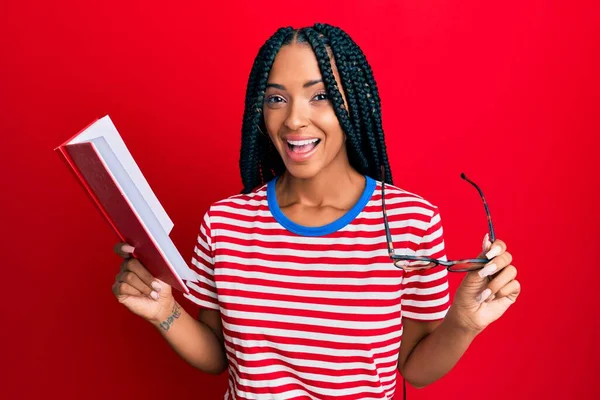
(507, 93)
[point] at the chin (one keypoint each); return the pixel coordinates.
(303, 171)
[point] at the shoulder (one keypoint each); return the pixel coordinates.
(242, 203)
(397, 199)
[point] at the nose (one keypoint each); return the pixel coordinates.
(297, 117)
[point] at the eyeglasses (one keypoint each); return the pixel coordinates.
(411, 263)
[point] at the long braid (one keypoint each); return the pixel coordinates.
(342, 64)
(361, 122)
(254, 166)
(372, 94)
(320, 50)
(365, 109)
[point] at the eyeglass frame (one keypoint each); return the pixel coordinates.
(449, 263)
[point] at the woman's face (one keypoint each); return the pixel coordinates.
(298, 114)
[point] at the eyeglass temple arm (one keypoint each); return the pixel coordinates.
(387, 227)
(487, 210)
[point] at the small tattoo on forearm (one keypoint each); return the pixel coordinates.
(166, 324)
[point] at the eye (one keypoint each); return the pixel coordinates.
(274, 99)
(321, 96)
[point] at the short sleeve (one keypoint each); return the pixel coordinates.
(426, 292)
(204, 292)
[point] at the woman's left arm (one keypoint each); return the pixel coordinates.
(429, 350)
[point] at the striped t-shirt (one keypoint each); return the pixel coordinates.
(316, 312)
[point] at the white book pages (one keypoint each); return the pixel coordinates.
(105, 128)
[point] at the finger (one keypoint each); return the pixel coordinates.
(507, 275)
(122, 288)
(497, 264)
(126, 263)
(138, 268)
(498, 247)
(123, 250)
(486, 245)
(511, 290)
(132, 279)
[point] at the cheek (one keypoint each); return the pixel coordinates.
(273, 120)
(328, 122)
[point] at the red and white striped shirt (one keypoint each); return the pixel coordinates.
(316, 312)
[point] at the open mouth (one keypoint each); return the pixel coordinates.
(303, 146)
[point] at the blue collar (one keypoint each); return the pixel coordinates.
(324, 229)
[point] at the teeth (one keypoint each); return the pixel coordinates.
(301, 142)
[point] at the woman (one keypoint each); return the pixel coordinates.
(299, 297)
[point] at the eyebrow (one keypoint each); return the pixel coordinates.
(307, 84)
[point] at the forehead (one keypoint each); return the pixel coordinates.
(294, 63)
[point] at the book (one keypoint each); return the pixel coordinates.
(103, 165)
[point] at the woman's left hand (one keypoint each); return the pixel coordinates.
(478, 301)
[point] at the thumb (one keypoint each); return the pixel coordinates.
(473, 277)
(485, 246)
(164, 291)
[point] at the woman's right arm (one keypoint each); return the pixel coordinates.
(198, 341)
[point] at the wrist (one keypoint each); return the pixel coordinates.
(168, 312)
(456, 321)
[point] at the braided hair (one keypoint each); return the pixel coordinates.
(259, 160)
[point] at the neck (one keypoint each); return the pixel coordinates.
(334, 185)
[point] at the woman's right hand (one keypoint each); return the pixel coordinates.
(138, 290)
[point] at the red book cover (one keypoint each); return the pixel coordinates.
(90, 170)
